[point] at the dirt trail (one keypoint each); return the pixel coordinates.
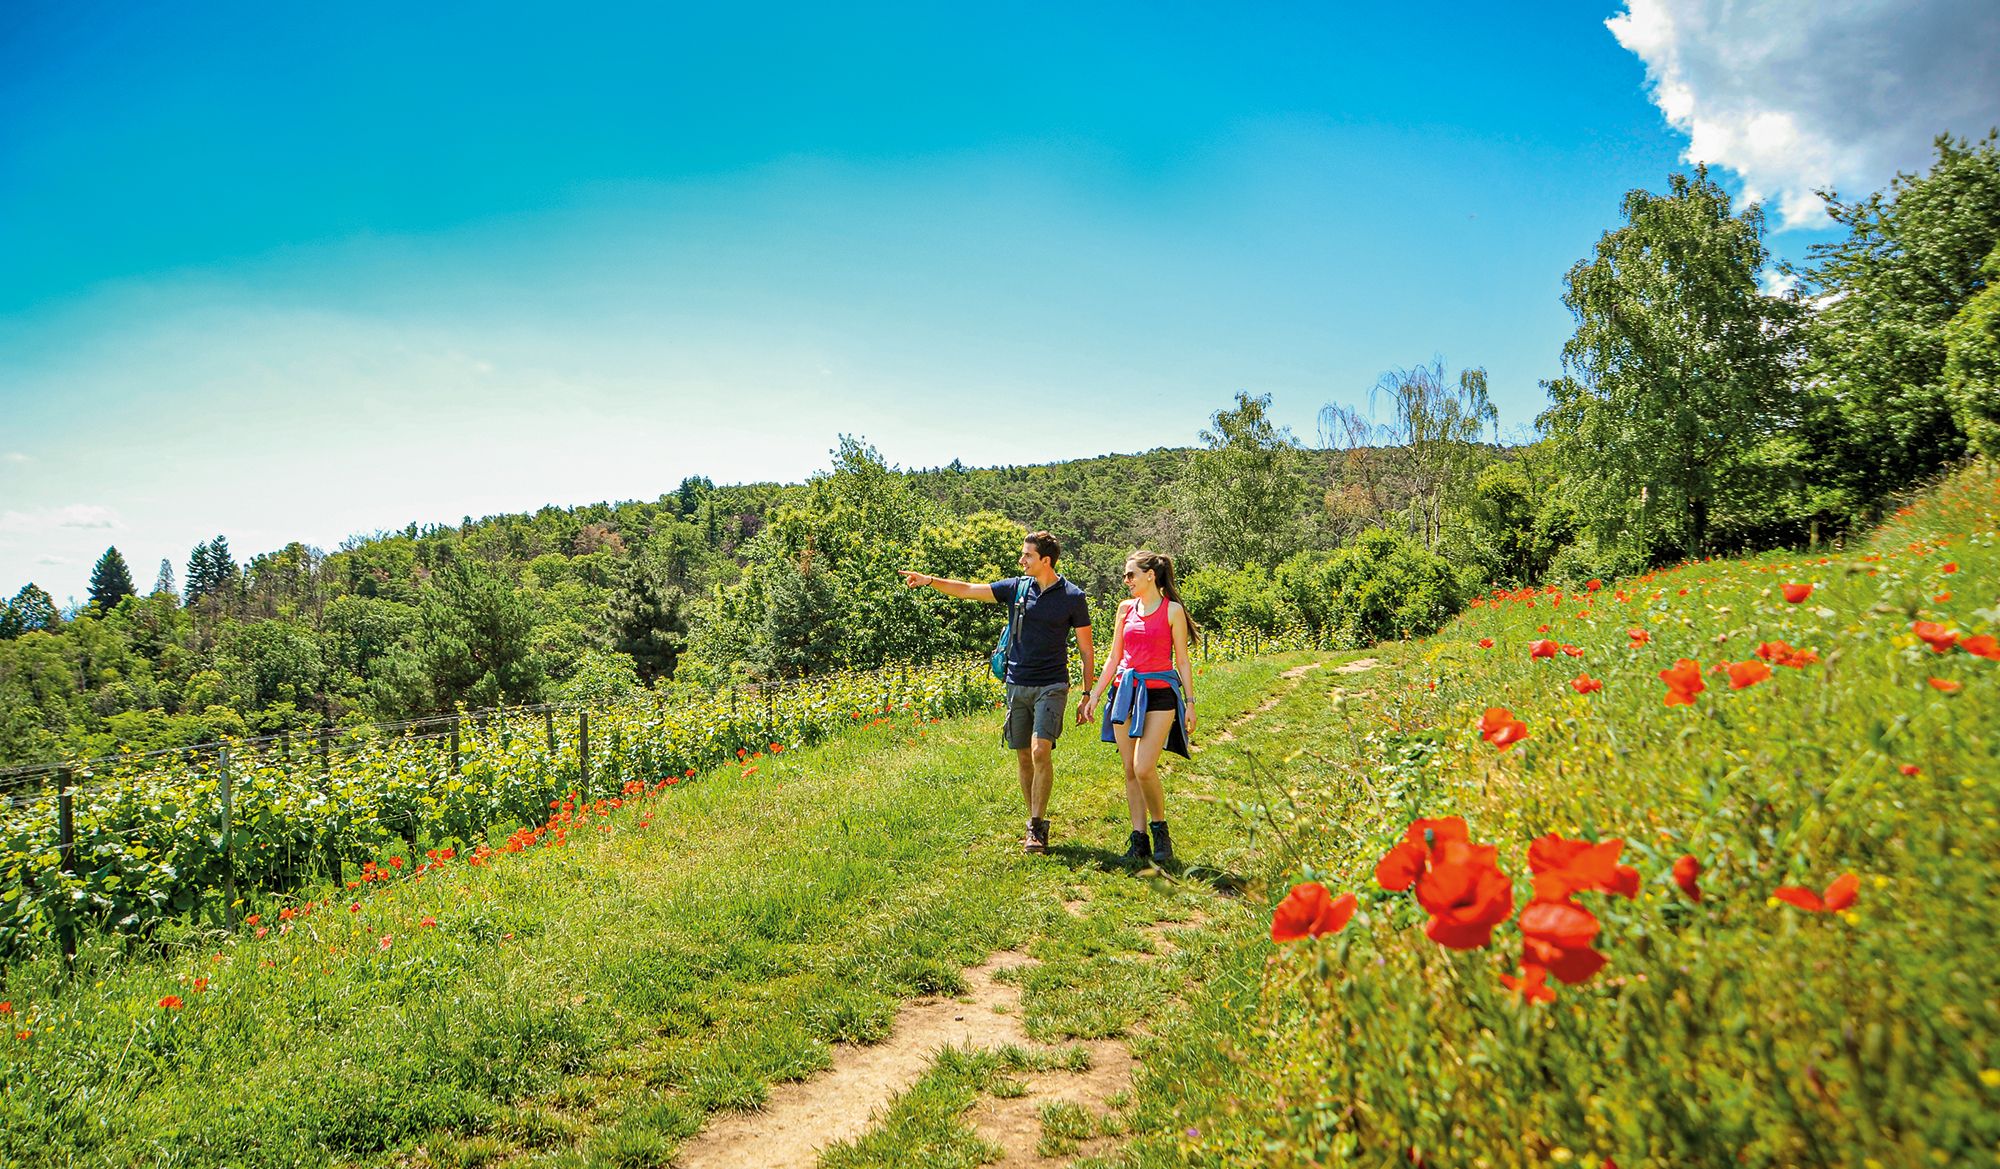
(798, 1120)
(1228, 733)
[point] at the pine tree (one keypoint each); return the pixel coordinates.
(211, 569)
(110, 581)
(164, 583)
(648, 621)
(200, 574)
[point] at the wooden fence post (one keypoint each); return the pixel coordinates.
(335, 867)
(583, 757)
(454, 745)
(228, 839)
(66, 846)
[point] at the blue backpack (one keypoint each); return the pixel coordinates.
(999, 658)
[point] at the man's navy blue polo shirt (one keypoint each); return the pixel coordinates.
(1039, 653)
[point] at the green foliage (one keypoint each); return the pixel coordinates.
(212, 570)
(1734, 1029)
(473, 640)
(1432, 440)
(1678, 371)
(1972, 363)
(31, 610)
(1912, 262)
(1381, 586)
(1244, 499)
(648, 620)
(110, 581)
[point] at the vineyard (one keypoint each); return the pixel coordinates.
(124, 847)
(130, 846)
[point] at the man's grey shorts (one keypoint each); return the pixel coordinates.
(1036, 711)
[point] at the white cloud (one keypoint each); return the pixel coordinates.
(76, 515)
(1800, 95)
(14, 457)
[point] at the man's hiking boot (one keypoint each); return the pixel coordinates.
(1140, 851)
(1037, 839)
(1163, 845)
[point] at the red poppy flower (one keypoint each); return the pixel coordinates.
(201, 986)
(1308, 911)
(1402, 865)
(1585, 684)
(1499, 727)
(385, 942)
(1465, 893)
(6, 1008)
(1563, 867)
(1985, 645)
(1687, 871)
(1639, 637)
(1593, 584)
(171, 1003)
(1743, 675)
(1934, 635)
(1556, 935)
(428, 922)
(1683, 682)
(1910, 769)
(1574, 651)
(262, 930)
(1947, 685)
(1532, 986)
(1542, 648)
(1797, 592)
(24, 1036)
(1485, 643)
(1838, 896)
(1948, 566)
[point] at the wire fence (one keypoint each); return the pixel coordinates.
(128, 843)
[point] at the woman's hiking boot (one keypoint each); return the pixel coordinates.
(1163, 845)
(1037, 839)
(1139, 852)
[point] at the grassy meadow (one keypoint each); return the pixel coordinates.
(589, 1004)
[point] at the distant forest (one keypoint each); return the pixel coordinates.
(1698, 411)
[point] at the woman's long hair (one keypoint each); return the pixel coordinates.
(1162, 568)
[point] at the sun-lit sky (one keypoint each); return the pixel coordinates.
(281, 273)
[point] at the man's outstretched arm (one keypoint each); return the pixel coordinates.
(963, 590)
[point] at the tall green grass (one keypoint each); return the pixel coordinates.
(1735, 1030)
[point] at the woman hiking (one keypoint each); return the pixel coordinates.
(1151, 706)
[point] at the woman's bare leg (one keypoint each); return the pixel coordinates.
(1145, 765)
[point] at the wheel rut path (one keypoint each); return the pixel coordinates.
(800, 1120)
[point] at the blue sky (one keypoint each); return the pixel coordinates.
(283, 274)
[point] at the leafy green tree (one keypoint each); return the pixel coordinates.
(1244, 498)
(272, 662)
(110, 581)
(31, 610)
(1972, 364)
(1434, 429)
(648, 621)
(1913, 260)
(1678, 370)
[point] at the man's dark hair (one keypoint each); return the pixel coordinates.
(1045, 546)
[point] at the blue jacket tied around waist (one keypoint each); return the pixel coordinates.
(1129, 705)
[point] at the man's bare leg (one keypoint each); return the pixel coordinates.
(1043, 757)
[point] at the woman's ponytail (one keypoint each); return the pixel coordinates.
(1162, 568)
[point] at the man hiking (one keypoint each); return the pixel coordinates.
(1042, 608)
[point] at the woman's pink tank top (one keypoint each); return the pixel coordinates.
(1149, 640)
